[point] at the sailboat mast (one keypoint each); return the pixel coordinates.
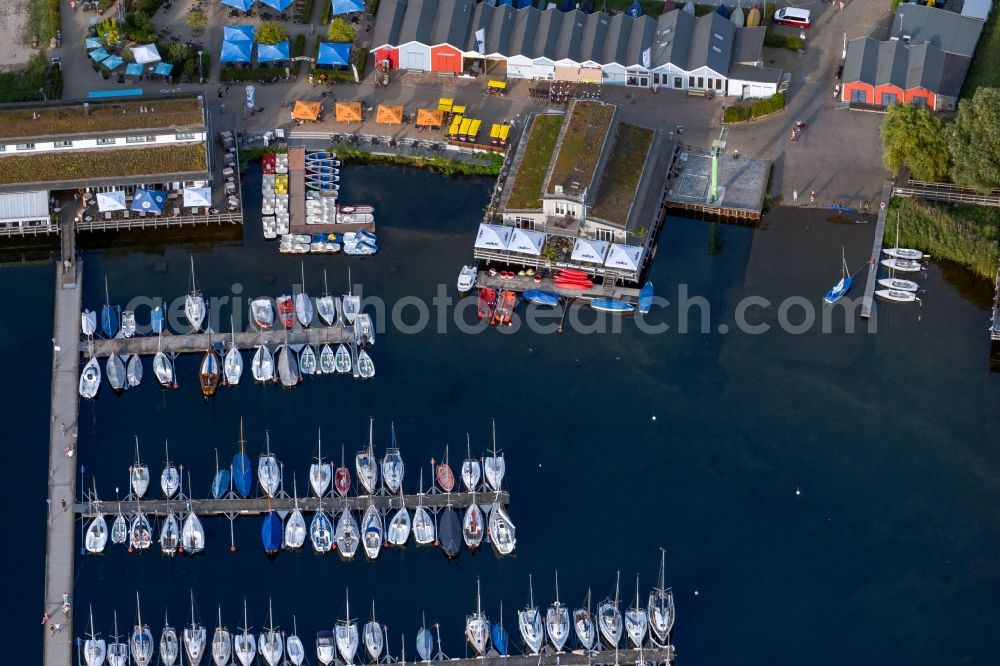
(479, 607)
(557, 587)
(531, 593)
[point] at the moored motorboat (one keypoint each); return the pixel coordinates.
(262, 312)
(90, 379)
(326, 650)
(487, 303)
(529, 621)
(128, 323)
(467, 279)
(364, 329)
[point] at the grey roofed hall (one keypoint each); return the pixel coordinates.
(522, 37)
(418, 23)
(950, 32)
(595, 32)
(747, 45)
(711, 44)
(673, 39)
(451, 24)
(570, 32)
(755, 74)
(898, 64)
(388, 22)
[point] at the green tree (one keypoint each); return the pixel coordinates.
(912, 137)
(196, 19)
(108, 32)
(271, 32)
(974, 141)
(340, 30)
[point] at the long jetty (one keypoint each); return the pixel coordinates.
(253, 506)
(199, 342)
(61, 532)
(626, 657)
(869, 298)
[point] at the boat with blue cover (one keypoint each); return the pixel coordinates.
(220, 484)
(646, 297)
(271, 532)
(242, 471)
(541, 297)
(156, 319)
(843, 286)
(611, 305)
(499, 635)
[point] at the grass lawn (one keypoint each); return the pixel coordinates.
(44, 20)
(49, 167)
(526, 193)
(102, 118)
(617, 191)
(30, 84)
(581, 145)
(985, 68)
(967, 235)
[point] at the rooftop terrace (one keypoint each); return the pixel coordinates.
(620, 184)
(580, 148)
(99, 117)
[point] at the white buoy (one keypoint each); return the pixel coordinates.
(797, 491)
(654, 417)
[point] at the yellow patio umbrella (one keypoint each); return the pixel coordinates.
(348, 112)
(430, 117)
(389, 115)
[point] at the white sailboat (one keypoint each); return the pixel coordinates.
(896, 295)
(119, 529)
(222, 644)
(262, 364)
(138, 474)
(609, 620)
(373, 638)
(307, 360)
(194, 638)
(141, 642)
(170, 535)
(346, 535)
(232, 361)
(321, 531)
(268, 470)
(319, 472)
(117, 651)
(325, 305)
(425, 642)
(502, 532)
(295, 526)
(494, 466)
(557, 621)
(366, 465)
(303, 304)
(398, 532)
(424, 531)
(88, 323)
(293, 646)
(272, 645)
(660, 609)
(636, 620)
(194, 304)
(350, 304)
(244, 644)
(366, 367)
(346, 633)
(583, 626)
(96, 537)
(133, 371)
(163, 365)
(327, 361)
(90, 379)
(902, 259)
(473, 525)
(140, 534)
(364, 329)
(115, 369)
(477, 627)
(95, 650)
(529, 621)
(192, 533)
(169, 646)
(392, 465)
(342, 359)
(372, 531)
(170, 478)
(471, 469)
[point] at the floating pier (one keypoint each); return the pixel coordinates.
(626, 657)
(522, 283)
(254, 506)
(198, 342)
(869, 297)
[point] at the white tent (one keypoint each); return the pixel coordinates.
(592, 251)
(493, 237)
(624, 257)
(146, 53)
(109, 201)
(197, 197)
(526, 242)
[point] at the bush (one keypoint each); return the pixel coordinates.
(298, 48)
(196, 19)
(138, 28)
(24, 85)
(332, 75)
(108, 32)
(736, 114)
(327, 14)
(777, 41)
(307, 11)
(271, 32)
(231, 74)
(340, 31)
(963, 234)
(360, 60)
(765, 107)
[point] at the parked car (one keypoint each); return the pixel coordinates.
(794, 16)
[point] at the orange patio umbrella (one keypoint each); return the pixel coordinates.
(389, 115)
(430, 117)
(348, 112)
(305, 110)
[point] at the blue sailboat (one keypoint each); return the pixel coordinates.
(111, 315)
(156, 319)
(271, 532)
(499, 635)
(611, 305)
(541, 297)
(242, 472)
(646, 297)
(844, 285)
(220, 484)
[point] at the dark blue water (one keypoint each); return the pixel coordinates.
(887, 555)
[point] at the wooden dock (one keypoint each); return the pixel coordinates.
(61, 532)
(198, 342)
(255, 506)
(522, 283)
(869, 298)
(626, 657)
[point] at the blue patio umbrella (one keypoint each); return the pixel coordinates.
(280, 5)
(92, 43)
(238, 33)
(634, 10)
(149, 201)
(133, 69)
(334, 53)
(163, 69)
(272, 52)
(242, 5)
(113, 62)
(99, 54)
(236, 51)
(347, 6)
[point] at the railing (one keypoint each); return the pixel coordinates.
(11, 231)
(537, 262)
(159, 222)
(946, 192)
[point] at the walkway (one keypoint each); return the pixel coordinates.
(869, 301)
(60, 541)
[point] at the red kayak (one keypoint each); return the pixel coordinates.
(286, 311)
(487, 302)
(561, 280)
(572, 272)
(342, 481)
(578, 286)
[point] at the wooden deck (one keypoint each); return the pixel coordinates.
(296, 187)
(869, 298)
(254, 506)
(522, 283)
(198, 342)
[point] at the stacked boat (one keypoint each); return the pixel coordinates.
(910, 262)
(274, 195)
(323, 173)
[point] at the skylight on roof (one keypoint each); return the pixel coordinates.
(717, 49)
(718, 36)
